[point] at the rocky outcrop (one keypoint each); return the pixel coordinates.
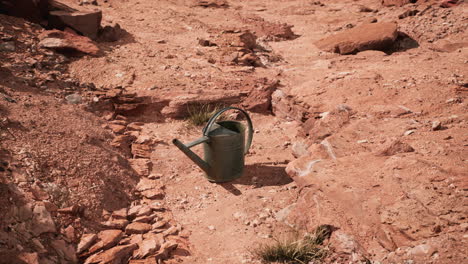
(84, 22)
(375, 36)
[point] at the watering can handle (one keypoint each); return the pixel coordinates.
(212, 120)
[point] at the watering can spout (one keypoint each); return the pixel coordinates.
(194, 157)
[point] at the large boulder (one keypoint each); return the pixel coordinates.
(376, 36)
(87, 23)
(32, 10)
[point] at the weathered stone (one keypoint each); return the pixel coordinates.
(65, 251)
(28, 258)
(259, 98)
(145, 219)
(137, 228)
(86, 241)
(107, 239)
(147, 247)
(69, 233)
(141, 166)
(166, 249)
(155, 194)
(65, 42)
(110, 33)
(39, 193)
(141, 151)
(73, 210)
(375, 36)
(86, 23)
(117, 128)
(115, 223)
(120, 214)
(8, 46)
(42, 221)
(396, 2)
(115, 255)
(394, 147)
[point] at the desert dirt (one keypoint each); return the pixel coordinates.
(372, 143)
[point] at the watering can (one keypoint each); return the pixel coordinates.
(224, 147)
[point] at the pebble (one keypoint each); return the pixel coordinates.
(436, 125)
(211, 227)
(408, 132)
(362, 141)
(74, 98)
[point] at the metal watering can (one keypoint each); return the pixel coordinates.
(224, 147)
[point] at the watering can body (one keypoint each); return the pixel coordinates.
(224, 145)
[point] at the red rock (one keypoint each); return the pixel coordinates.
(166, 249)
(66, 42)
(211, 3)
(65, 251)
(73, 210)
(86, 241)
(116, 255)
(141, 151)
(141, 166)
(116, 223)
(147, 247)
(449, 3)
(117, 128)
(120, 214)
(395, 2)
(107, 239)
(156, 194)
(375, 36)
(39, 193)
(259, 98)
(69, 233)
(42, 221)
(145, 218)
(137, 228)
(394, 147)
(32, 10)
(86, 23)
(29, 258)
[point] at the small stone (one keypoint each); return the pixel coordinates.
(173, 230)
(436, 125)
(42, 221)
(408, 132)
(115, 223)
(166, 249)
(137, 228)
(119, 254)
(153, 194)
(120, 214)
(107, 239)
(69, 233)
(65, 251)
(159, 224)
(74, 98)
(211, 227)
(116, 128)
(422, 251)
(362, 141)
(86, 241)
(39, 193)
(145, 219)
(146, 247)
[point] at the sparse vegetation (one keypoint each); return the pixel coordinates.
(295, 250)
(199, 114)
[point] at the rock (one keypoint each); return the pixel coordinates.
(106, 239)
(72, 210)
(299, 149)
(122, 141)
(115, 223)
(8, 46)
(159, 224)
(259, 99)
(376, 36)
(117, 128)
(137, 228)
(141, 166)
(206, 43)
(69, 233)
(436, 125)
(116, 255)
(211, 3)
(449, 3)
(110, 33)
(67, 42)
(32, 10)
(173, 230)
(38, 193)
(146, 184)
(408, 13)
(65, 252)
(154, 194)
(422, 250)
(84, 22)
(145, 218)
(120, 214)
(141, 151)
(74, 98)
(147, 247)
(42, 221)
(166, 249)
(28, 258)
(394, 147)
(86, 241)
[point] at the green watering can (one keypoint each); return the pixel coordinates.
(224, 147)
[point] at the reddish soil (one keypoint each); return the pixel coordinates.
(373, 143)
